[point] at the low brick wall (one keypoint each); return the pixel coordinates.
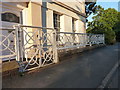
(11, 68)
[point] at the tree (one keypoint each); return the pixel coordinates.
(104, 21)
(90, 7)
(116, 28)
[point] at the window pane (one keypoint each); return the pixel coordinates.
(56, 22)
(10, 17)
(73, 24)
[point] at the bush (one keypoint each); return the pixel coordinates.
(110, 37)
(118, 36)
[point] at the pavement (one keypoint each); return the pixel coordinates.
(83, 70)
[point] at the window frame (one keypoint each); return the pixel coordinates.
(74, 25)
(56, 24)
(56, 21)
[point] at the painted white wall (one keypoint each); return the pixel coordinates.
(80, 27)
(66, 17)
(14, 8)
(79, 6)
(76, 4)
(49, 24)
(9, 24)
(67, 23)
(62, 23)
(49, 18)
(62, 10)
(25, 16)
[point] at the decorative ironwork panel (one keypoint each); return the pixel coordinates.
(7, 44)
(95, 39)
(36, 47)
(70, 40)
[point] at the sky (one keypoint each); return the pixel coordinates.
(105, 5)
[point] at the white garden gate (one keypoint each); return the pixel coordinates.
(36, 47)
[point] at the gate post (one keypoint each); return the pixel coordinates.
(103, 38)
(90, 43)
(55, 52)
(17, 44)
(17, 48)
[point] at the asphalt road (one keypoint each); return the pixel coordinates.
(114, 82)
(83, 70)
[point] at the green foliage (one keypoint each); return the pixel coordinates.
(116, 28)
(90, 7)
(106, 22)
(110, 37)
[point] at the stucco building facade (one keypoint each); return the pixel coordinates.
(62, 16)
(37, 34)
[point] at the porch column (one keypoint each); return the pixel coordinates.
(32, 16)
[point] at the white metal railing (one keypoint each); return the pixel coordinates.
(35, 47)
(7, 44)
(70, 40)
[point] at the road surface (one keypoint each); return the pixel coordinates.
(83, 70)
(115, 80)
